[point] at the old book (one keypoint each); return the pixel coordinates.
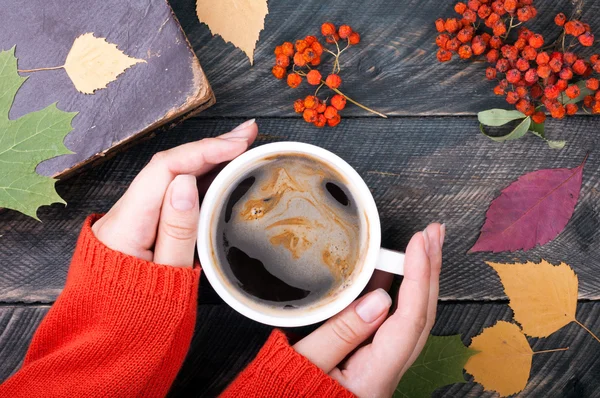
(168, 86)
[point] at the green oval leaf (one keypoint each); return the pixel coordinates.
(517, 132)
(498, 117)
(584, 91)
(552, 144)
(537, 128)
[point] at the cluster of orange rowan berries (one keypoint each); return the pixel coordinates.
(301, 59)
(529, 75)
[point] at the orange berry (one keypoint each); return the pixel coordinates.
(594, 58)
(513, 76)
(321, 107)
(502, 65)
(327, 29)
(321, 121)
(330, 112)
(561, 84)
(490, 73)
(317, 48)
(294, 80)
(499, 28)
(510, 52)
(469, 16)
(566, 73)
(354, 38)
(592, 83)
(574, 28)
(278, 50)
(313, 77)
(288, 49)
(531, 76)
(492, 56)
(316, 61)
(586, 39)
(510, 5)
(579, 67)
(539, 117)
(560, 19)
(571, 109)
(441, 40)
(451, 25)
(465, 51)
(524, 14)
(333, 38)
(465, 34)
(572, 91)
(555, 64)
(345, 30)
(529, 53)
(299, 59)
(525, 107)
(334, 121)
(299, 105)
(278, 71)
(536, 40)
(311, 102)
(587, 100)
(520, 43)
(543, 71)
(536, 91)
(596, 107)
(498, 7)
(551, 91)
(310, 39)
(333, 81)
(558, 112)
(522, 92)
(310, 115)
(569, 58)
(512, 97)
(474, 4)
(309, 54)
(491, 20)
(542, 58)
(522, 64)
(452, 44)
(484, 11)
(338, 102)
(460, 8)
(301, 45)
(498, 90)
(282, 60)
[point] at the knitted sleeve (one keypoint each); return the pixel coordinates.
(279, 371)
(120, 328)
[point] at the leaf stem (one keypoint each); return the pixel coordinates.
(586, 329)
(554, 350)
(354, 102)
(39, 69)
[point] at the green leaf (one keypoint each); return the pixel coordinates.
(24, 143)
(517, 132)
(498, 117)
(552, 144)
(441, 363)
(537, 129)
(584, 91)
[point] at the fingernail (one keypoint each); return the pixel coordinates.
(184, 192)
(426, 240)
(442, 234)
(238, 132)
(373, 305)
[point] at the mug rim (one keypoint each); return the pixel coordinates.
(211, 203)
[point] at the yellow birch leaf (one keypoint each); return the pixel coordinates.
(542, 296)
(236, 21)
(93, 62)
(503, 362)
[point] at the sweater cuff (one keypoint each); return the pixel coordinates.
(284, 372)
(111, 269)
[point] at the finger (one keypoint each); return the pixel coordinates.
(327, 346)
(435, 233)
(396, 339)
(130, 226)
(178, 225)
(380, 280)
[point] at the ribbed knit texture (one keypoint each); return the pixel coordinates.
(120, 328)
(279, 371)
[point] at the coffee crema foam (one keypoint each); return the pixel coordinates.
(291, 232)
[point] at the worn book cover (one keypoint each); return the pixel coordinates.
(164, 82)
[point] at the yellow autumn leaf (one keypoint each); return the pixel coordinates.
(236, 21)
(504, 359)
(542, 296)
(93, 62)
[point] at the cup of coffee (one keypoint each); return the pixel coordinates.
(289, 235)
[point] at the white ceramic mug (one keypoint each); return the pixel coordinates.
(372, 255)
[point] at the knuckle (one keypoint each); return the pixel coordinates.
(179, 231)
(158, 157)
(345, 332)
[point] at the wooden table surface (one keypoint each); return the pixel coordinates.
(427, 162)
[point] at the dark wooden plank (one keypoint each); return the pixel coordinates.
(419, 170)
(393, 70)
(17, 325)
(224, 342)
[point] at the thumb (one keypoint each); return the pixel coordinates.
(178, 225)
(327, 346)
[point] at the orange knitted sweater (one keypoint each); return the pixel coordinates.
(122, 327)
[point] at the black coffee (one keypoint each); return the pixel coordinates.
(290, 232)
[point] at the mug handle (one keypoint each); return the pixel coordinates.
(390, 261)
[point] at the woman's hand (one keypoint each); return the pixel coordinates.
(157, 218)
(375, 369)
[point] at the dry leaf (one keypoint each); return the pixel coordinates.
(542, 296)
(237, 21)
(93, 62)
(504, 359)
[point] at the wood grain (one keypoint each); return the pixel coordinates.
(393, 70)
(225, 342)
(419, 171)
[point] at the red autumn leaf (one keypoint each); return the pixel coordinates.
(531, 211)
